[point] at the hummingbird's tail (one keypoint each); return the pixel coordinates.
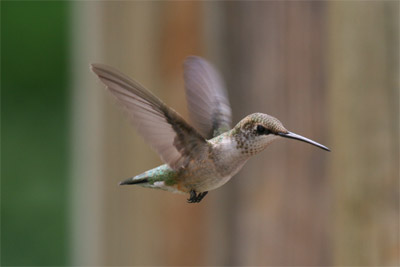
(134, 180)
(161, 177)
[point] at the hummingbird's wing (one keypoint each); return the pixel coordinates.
(207, 99)
(164, 129)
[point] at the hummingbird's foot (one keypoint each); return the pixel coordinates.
(196, 198)
(201, 195)
(193, 197)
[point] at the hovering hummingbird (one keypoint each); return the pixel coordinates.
(201, 157)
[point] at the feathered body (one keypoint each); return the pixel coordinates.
(201, 157)
(212, 171)
(227, 153)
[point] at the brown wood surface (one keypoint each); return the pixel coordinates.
(327, 70)
(280, 201)
(364, 111)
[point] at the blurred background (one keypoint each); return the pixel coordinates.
(327, 70)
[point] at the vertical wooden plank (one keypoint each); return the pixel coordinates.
(308, 214)
(86, 138)
(364, 109)
(186, 225)
(219, 234)
(133, 216)
(279, 203)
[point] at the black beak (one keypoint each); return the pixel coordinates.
(301, 138)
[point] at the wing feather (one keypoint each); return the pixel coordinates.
(164, 129)
(207, 99)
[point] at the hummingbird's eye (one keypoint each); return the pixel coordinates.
(262, 130)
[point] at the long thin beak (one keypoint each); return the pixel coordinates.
(302, 138)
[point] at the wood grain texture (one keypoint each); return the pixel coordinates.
(364, 110)
(280, 200)
(326, 70)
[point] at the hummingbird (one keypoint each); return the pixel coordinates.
(201, 156)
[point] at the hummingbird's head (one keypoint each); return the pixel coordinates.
(256, 131)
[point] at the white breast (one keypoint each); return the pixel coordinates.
(228, 159)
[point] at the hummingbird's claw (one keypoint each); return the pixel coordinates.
(196, 198)
(201, 196)
(193, 196)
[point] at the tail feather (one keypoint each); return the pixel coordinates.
(132, 180)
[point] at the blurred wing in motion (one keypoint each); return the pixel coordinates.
(164, 129)
(207, 99)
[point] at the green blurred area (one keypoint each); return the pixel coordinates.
(34, 130)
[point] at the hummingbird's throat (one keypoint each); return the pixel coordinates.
(253, 145)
